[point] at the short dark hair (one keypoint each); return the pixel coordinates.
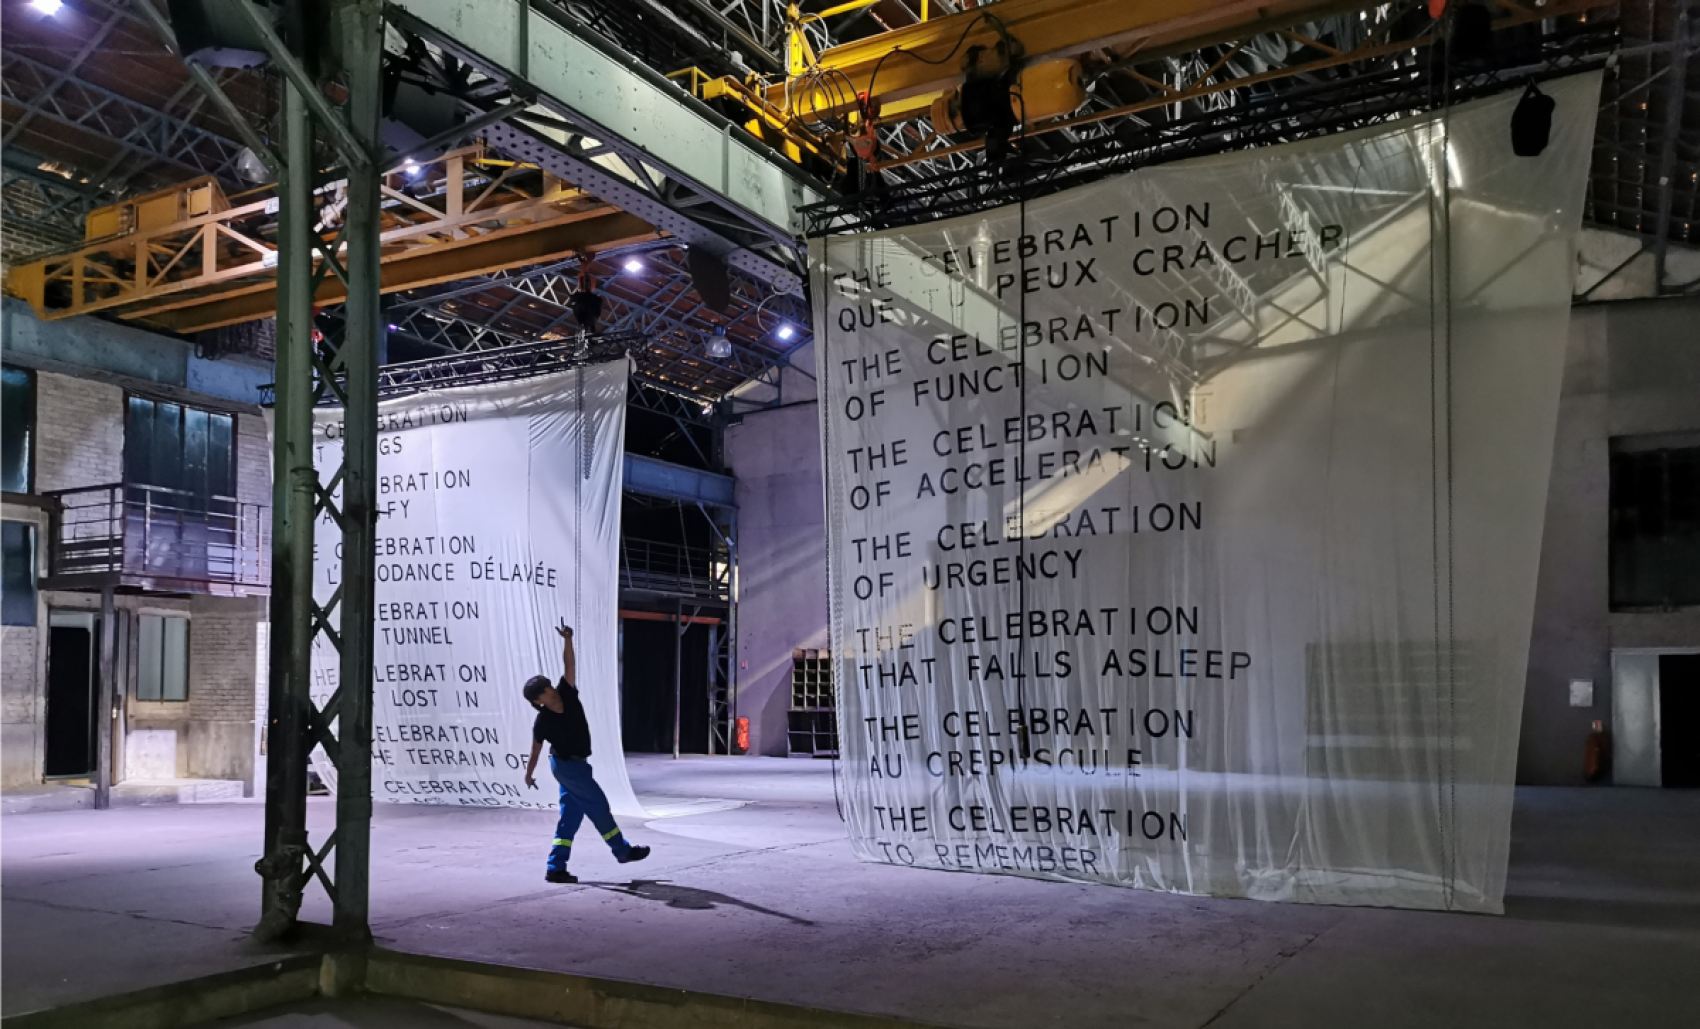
(534, 688)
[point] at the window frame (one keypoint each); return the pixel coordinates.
(32, 536)
(161, 618)
(34, 418)
(1624, 574)
(128, 455)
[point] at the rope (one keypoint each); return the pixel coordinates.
(1440, 460)
(833, 613)
(584, 454)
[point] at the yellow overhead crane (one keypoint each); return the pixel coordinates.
(188, 258)
(897, 76)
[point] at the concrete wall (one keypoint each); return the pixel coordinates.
(775, 456)
(1632, 368)
(112, 351)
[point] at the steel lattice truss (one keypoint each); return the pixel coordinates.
(138, 131)
(657, 301)
(95, 109)
(1279, 117)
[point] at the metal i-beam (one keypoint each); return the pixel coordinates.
(703, 179)
(664, 480)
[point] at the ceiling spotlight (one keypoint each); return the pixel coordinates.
(786, 332)
(47, 7)
(251, 168)
(410, 166)
(633, 265)
(718, 345)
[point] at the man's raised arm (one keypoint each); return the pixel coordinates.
(569, 666)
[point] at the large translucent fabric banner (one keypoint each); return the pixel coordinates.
(1184, 526)
(498, 517)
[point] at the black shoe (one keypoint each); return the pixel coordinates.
(560, 875)
(636, 853)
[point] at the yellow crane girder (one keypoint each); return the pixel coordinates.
(188, 259)
(920, 61)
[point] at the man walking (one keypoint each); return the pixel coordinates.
(561, 723)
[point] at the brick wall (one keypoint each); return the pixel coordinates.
(79, 432)
(20, 704)
(221, 658)
(253, 460)
(21, 235)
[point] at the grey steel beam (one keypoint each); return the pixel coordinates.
(346, 140)
(664, 480)
(592, 93)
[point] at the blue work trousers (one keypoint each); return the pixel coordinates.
(581, 797)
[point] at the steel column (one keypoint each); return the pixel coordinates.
(294, 483)
(732, 628)
(361, 27)
(678, 674)
(1676, 91)
(306, 375)
(103, 701)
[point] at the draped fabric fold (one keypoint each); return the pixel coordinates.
(499, 516)
(1183, 527)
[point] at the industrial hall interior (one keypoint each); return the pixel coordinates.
(987, 514)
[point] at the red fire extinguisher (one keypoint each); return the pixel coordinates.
(1596, 758)
(741, 736)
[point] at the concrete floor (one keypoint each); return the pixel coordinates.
(764, 900)
(375, 1013)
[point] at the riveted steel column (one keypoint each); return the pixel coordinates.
(293, 484)
(360, 27)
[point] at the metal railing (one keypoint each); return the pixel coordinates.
(668, 568)
(128, 534)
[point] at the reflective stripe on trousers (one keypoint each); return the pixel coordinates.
(581, 798)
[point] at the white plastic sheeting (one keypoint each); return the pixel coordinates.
(1184, 526)
(499, 515)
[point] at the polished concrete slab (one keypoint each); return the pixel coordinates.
(752, 891)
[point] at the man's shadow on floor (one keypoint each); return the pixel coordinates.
(688, 898)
